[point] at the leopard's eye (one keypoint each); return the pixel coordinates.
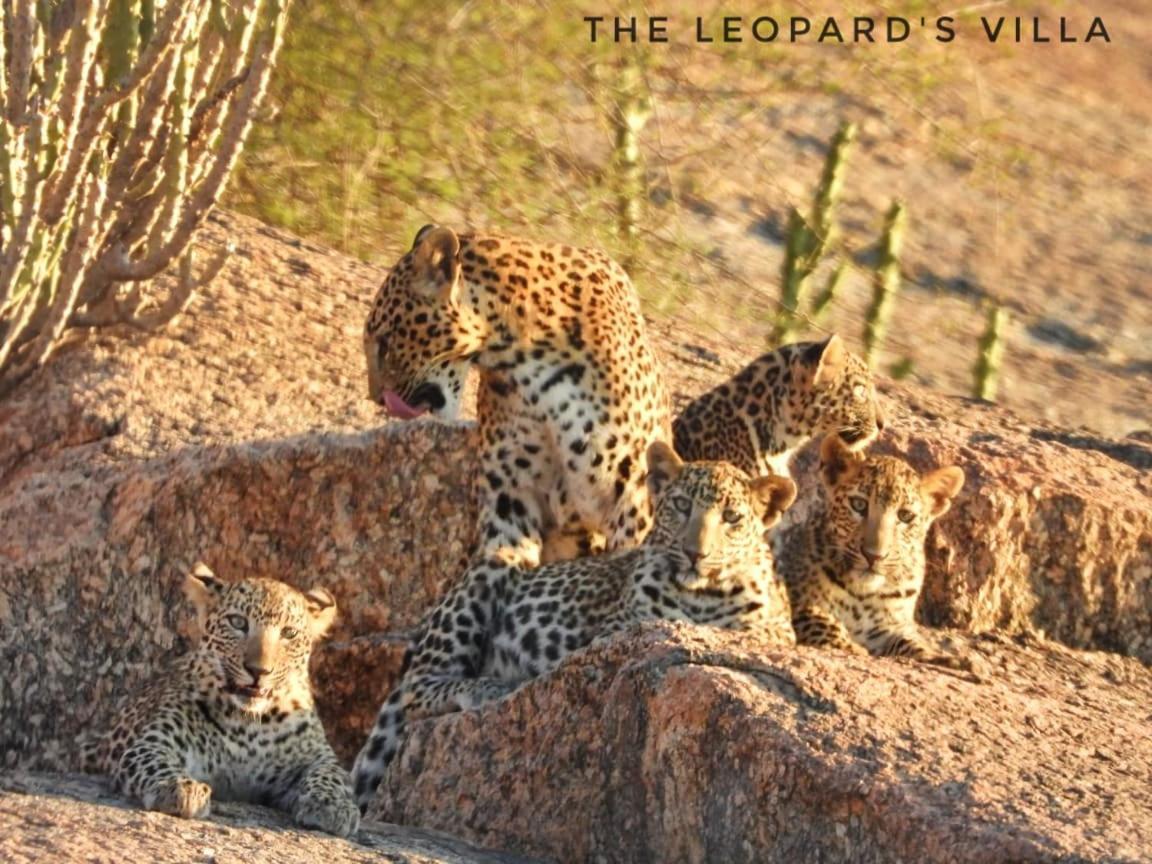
(289, 633)
(238, 623)
(732, 517)
(684, 505)
(905, 515)
(858, 504)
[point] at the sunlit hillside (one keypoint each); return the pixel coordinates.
(1024, 175)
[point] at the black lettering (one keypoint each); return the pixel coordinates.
(862, 28)
(946, 32)
(700, 35)
(1097, 31)
(900, 23)
(593, 20)
(992, 33)
(658, 28)
(732, 29)
(830, 30)
(797, 27)
(619, 28)
(760, 37)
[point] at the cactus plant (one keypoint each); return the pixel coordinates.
(810, 239)
(987, 369)
(885, 281)
(120, 122)
(631, 108)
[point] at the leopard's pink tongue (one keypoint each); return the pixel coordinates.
(395, 405)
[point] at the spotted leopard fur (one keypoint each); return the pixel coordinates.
(706, 560)
(234, 718)
(759, 418)
(571, 393)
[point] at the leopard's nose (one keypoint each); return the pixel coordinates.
(256, 671)
(875, 557)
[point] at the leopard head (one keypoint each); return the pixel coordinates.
(714, 512)
(838, 394)
(254, 638)
(421, 334)
(878, 511)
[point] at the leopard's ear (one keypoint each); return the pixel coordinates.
(663, 467)
(202, 587)
(422, 233)
(837, 462)
(829, 358)
(940, 487)
(775, 495)
(322, 609)
(436, 263)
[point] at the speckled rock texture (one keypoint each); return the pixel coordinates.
(54, 818)
(242, 435)
(695, 745)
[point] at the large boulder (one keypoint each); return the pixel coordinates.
(693, 745)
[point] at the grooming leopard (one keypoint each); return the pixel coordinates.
(759, 418)
(706, 560)
(571, 393)
(234, 718)
(855, 568)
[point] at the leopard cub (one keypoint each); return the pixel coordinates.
(706, 561)
(763, 414)
(855, 568)
(234, 718)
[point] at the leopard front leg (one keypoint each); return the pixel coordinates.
(324, 800)
(433, 695)
(814, 626)
(514, 473)
(631, 516)
(910, 644)
(568, 544)
(153, 773)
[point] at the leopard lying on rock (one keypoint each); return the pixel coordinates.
(855, 568)
(706, 560)
(571, 393)
(234, 718)
(759, 417)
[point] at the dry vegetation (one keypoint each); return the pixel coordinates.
(1024, 174)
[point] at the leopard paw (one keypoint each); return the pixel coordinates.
(183, 796)
(334, 814)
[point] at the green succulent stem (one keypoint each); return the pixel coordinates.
(986, 373)
(632, 107)
(885, 282)
(810, 239)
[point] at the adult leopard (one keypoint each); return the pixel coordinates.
(571, 392)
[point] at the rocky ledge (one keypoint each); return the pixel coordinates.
(242, 436)
(694, 745)
(62, 818)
